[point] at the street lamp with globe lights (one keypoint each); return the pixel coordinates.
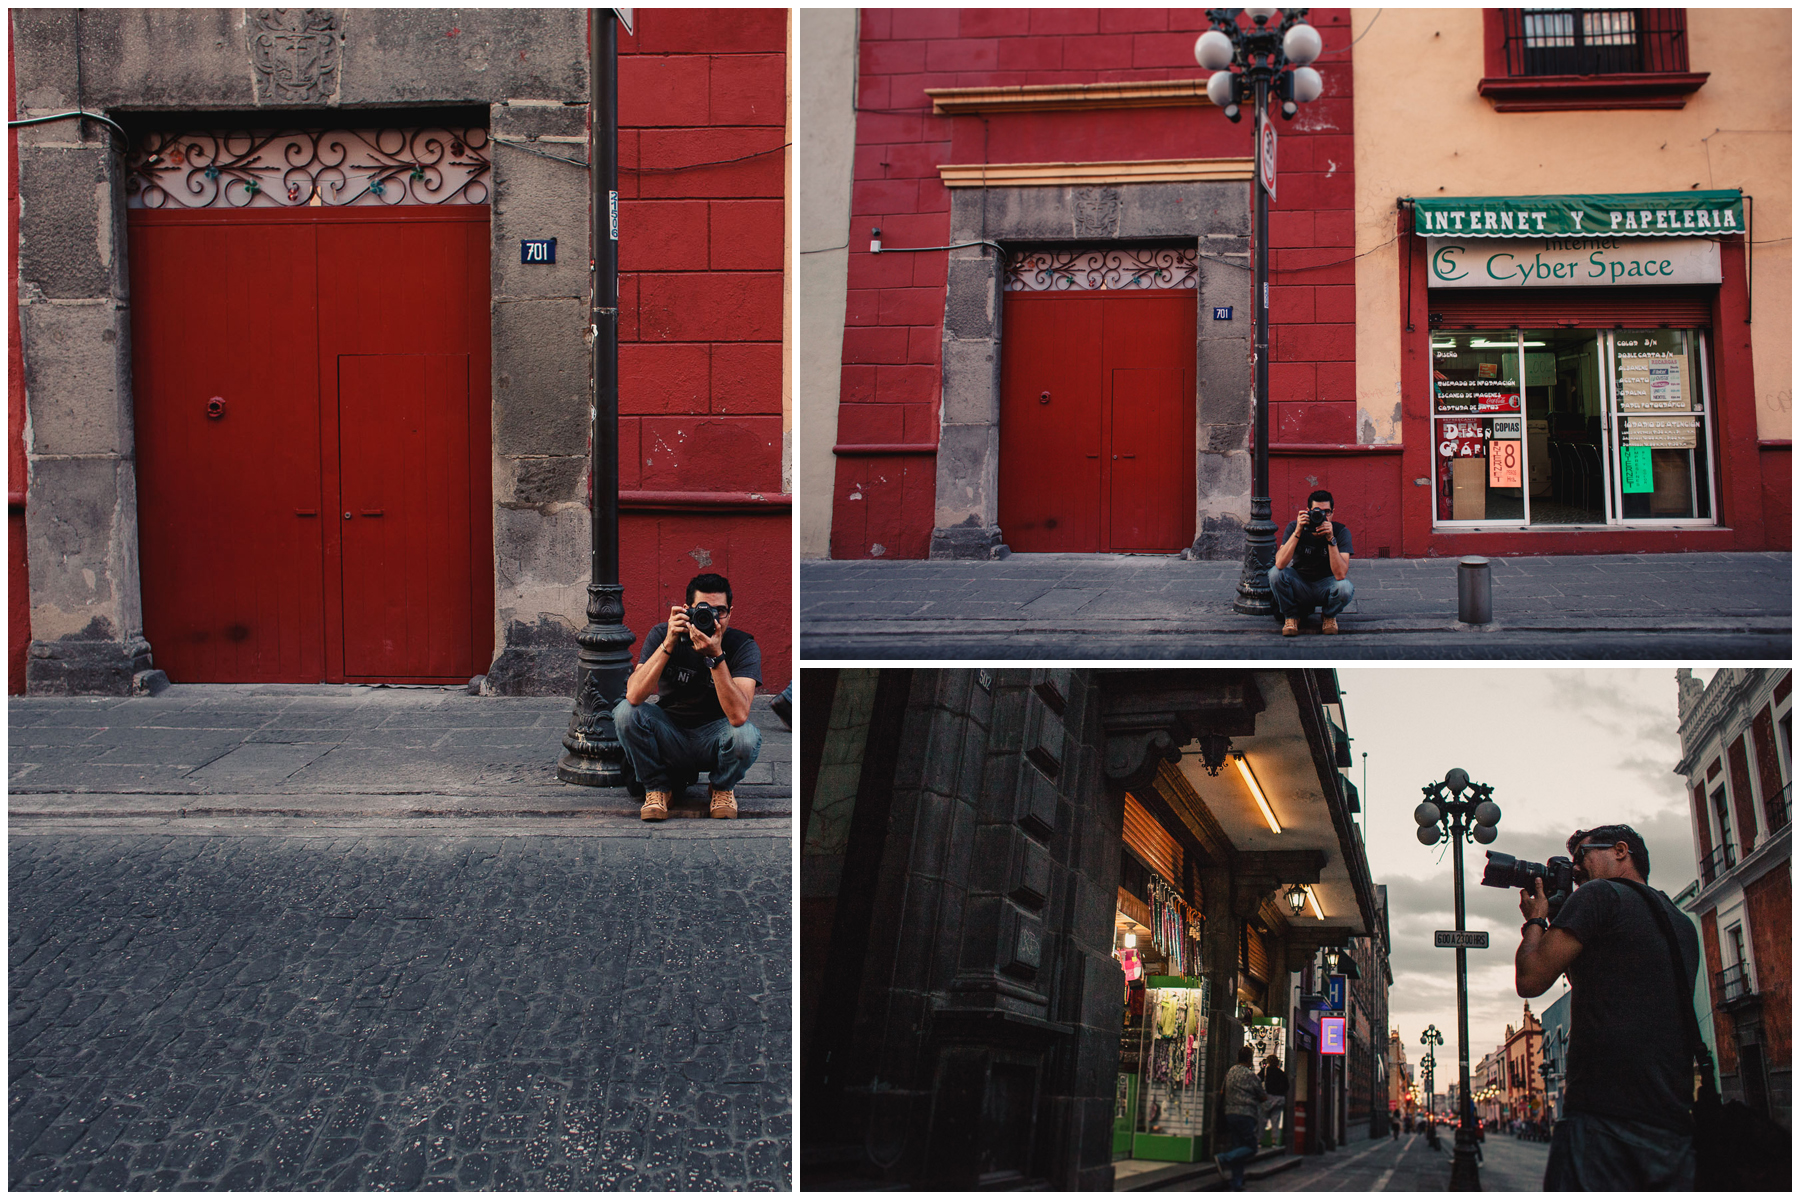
(1458, 808)
(1270, 58)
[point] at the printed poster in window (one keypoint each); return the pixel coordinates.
(1465, 384)
(1505, 464)
(1462, 439)
(1652, 378)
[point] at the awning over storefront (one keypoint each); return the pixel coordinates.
(1638, 214)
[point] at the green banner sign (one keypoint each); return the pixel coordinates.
(1640, 214)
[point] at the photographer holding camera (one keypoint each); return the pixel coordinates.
(1311, 566)
(704, 674)
(1628, 1100)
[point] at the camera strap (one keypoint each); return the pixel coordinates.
(1683, 992)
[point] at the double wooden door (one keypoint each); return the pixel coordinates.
(311, 407)
(1097, 421)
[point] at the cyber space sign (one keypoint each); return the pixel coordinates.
(1570, 262)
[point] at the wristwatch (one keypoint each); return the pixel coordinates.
(1540, 922)
(713, 660)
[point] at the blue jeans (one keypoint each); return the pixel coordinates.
(1295, 597)
(1590, 1153)
(1242, 1128)
(663, 753)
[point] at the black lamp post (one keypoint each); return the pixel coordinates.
(1270, 58)
(1429, 1039)
(593, 756)
(1444, 813)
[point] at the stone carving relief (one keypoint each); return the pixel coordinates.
(1097, 212)
(295, 52)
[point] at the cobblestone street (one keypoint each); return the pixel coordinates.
(363, 1003)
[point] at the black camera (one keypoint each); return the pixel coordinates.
(704, 617)
(1315, 517)
(1505, 871)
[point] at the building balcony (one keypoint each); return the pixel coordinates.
(1775, 810)
(1721, 860)
(1733, 983)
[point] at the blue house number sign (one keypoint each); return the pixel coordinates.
(1221, 314)
(537, 250)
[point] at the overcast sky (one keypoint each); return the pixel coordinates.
(1565, 750)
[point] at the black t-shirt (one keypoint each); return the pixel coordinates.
(1275, 1081)
(1628, 1042)
(685, 689)
(1312, 557)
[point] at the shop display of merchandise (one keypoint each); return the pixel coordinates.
(1174, 928)
(1174, 1100)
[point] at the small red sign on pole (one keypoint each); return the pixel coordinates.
(1265, 156)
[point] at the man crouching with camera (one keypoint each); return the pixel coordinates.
(1311, 566)
(1628, 1101)
(704, 674)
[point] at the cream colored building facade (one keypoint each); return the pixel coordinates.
(1426, 131)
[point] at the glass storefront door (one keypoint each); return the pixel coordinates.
(1561, 428)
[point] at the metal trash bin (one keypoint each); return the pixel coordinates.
(1474, 591)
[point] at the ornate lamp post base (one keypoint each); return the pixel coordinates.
(595, 757)
(1253, 595)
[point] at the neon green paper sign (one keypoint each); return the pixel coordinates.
(1634, 469)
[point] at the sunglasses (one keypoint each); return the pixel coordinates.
(1581, 850)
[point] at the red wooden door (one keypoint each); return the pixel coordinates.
(345, 344)
(403, 500)
(229, 512)
(1052, 423)
(1106, 463)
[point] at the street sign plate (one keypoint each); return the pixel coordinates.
(537, 250)
(1472, 939)
(1266, 157)
(1334, 993)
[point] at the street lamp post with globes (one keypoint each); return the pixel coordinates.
(1270, 58)
(1445, 813)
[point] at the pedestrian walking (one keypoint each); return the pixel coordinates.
(1394, 1124)
(1244, 1098)
(1627, 1119)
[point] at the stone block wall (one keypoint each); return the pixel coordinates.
(703, 445)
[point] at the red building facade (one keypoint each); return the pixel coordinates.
(1737, 759)
(1078, 144)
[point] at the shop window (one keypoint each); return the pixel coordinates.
(1560, 428)
(1541, 59)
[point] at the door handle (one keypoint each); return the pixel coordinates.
(371, 512)
(346, 516)
(306, 512)
(1127, 456)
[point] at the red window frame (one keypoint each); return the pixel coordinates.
(1511, 92)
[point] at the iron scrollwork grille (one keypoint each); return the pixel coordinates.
(1163, 268)
(330, 168)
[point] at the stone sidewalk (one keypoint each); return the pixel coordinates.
(322, 750)
(1621, 606)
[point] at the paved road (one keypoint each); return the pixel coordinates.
(1701, 605)
(275, 1003)
(1408, 1165)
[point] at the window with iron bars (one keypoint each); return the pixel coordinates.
(1734, 981)
(1595, 41)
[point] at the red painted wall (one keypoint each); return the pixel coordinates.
(895, 309)
(18, 576)
(1769, 901)
(702, 127)
(1777, 462)
(1746, 495)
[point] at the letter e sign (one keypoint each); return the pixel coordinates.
(1504, 464)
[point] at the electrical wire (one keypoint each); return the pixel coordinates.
(74, 112)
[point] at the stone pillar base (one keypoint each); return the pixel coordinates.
(537, 660)
(1221, 539)
(76, 666)
(966, 541)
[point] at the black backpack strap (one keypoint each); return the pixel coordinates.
(1684, 991)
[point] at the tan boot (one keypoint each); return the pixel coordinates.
(1329, 625)
(1290, 627)
(656, 806)
(724, 804)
